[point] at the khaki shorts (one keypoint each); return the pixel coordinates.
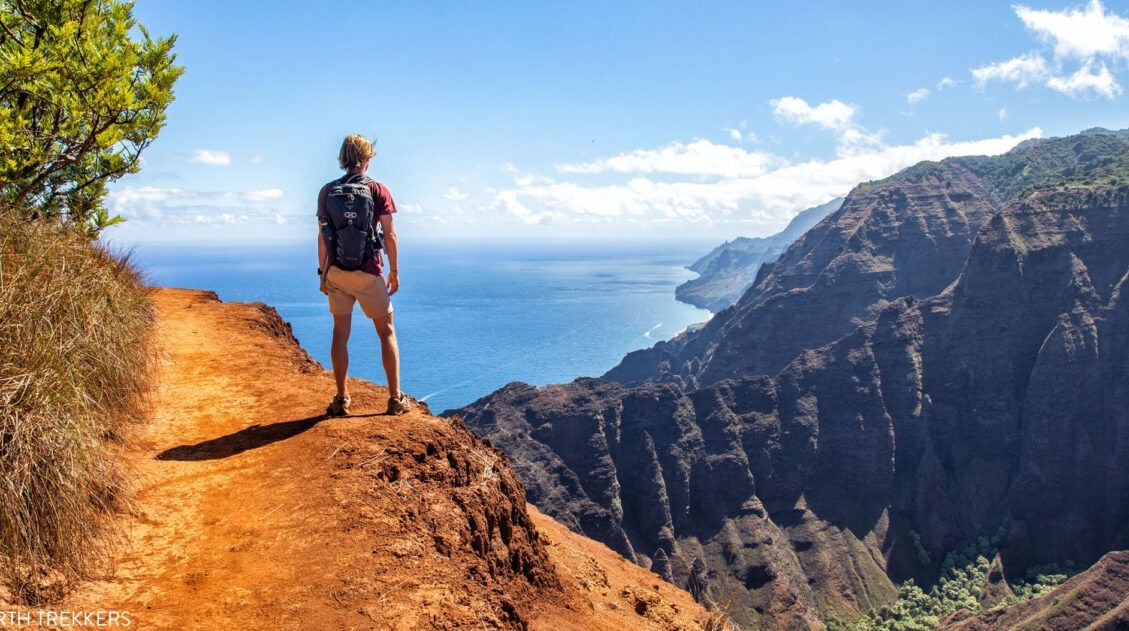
(346, 288)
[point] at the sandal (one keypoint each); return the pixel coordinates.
(339, 406)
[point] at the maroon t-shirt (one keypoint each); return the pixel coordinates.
(383, 205)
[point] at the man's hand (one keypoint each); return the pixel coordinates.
(393, 282)
(323, 256)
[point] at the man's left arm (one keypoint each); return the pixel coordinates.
(390, 247)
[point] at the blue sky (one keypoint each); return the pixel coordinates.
(548, 120)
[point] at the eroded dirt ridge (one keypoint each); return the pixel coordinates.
(257, 512)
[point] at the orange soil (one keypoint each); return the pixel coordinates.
(255, 512)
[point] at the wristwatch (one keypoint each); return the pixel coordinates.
(319, 271)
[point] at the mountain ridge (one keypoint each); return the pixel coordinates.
(728, 270)
(873, 256)
(965, 316)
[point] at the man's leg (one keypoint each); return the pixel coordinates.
(389, 353)
(339, 351)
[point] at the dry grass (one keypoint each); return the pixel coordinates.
(75, 362)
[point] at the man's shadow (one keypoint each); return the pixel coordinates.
(245, 439)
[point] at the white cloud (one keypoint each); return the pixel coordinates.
(740, 134)
(178, 206)
(455, 194)
(1079, 33)
(834, 114)
(525, 179)
(1086, 80)
(761, 201)
(1022, 71)
(416, 215)
(1091, 38)
(265, 195)
(211, 157)
(917, 96)
(1002, 114)
(700, 157)
(945, 83)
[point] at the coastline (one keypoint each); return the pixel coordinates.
(540, 317)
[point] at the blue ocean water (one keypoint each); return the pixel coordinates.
(470, 316)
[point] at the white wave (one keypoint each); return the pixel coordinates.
(451, 387)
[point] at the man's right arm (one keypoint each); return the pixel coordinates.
(323, 252)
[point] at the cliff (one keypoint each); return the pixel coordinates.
(729, 270)
(941, 359)
(255, 511)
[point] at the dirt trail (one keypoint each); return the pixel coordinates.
(255, 512)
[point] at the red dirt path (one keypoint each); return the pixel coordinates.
(254, 512)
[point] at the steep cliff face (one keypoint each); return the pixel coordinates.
(974, 378)
(727, 271)
(908, 235)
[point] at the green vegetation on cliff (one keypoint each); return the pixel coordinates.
(969, 581)
(1093, 158)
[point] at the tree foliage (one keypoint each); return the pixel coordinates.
(964, 574)
(83, 91)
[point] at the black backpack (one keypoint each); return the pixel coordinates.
(349, 231)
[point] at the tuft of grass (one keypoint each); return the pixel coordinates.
(718, 620)
(76, 359)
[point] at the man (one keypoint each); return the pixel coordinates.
(349, 263)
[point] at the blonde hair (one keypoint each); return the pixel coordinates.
(355, 149)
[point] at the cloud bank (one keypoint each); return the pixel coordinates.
(181, 207)
(705, 183)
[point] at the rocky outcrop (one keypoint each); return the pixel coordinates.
(927, 365)
(730, 269)
(1097, 600)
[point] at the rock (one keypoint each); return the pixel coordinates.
(995, 589)
(661, 565)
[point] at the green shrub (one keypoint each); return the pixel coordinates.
(75, 365)
(963, 576)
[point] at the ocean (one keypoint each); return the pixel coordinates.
(470, 316)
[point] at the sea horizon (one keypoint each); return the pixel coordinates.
(470, 316)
